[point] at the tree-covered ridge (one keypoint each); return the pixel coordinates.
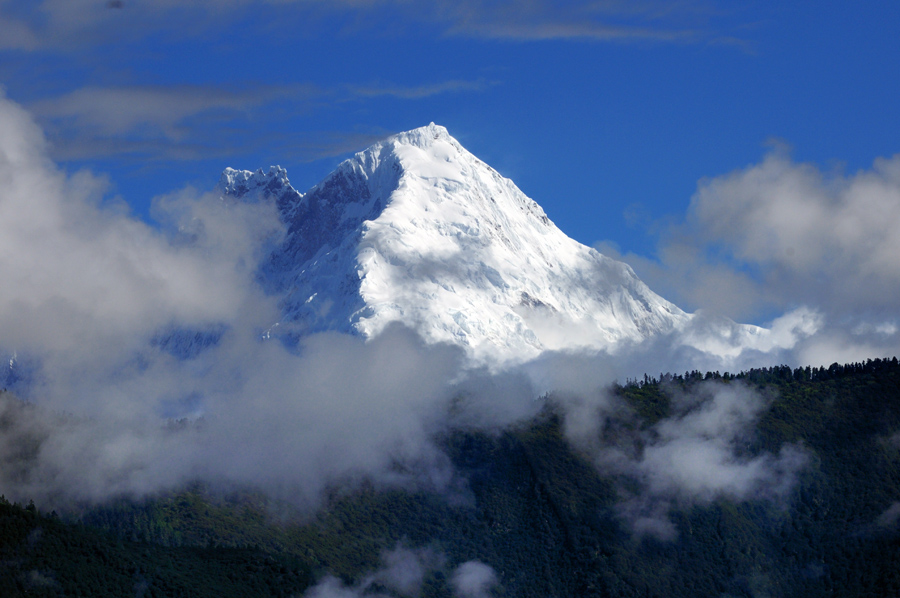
(42, 556)
(540, 513)
(839, 534)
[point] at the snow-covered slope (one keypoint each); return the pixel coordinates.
(417, 230)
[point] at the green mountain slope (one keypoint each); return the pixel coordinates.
(540, 514)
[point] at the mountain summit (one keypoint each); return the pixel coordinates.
(417, 230)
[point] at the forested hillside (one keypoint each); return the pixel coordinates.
(546, 517)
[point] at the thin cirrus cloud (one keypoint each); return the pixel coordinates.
(55, 24)
(65, 25)
(420, 91)
(116, 110)
(16, 35)
(592, 21)
(148, 120)
(178, 123)
(548, 31)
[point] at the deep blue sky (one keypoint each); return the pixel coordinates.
(605, 113)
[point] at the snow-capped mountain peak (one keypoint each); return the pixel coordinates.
(417, 230)
(238, 183)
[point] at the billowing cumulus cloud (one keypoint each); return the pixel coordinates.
(86, 279)
(829, 240)
(781, 235)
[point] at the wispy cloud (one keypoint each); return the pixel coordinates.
(420, 91)
(605, 21)
(78, 23)
(541, 21)
(160, 110)
(326, 144)
(15, 34)
(190, 122)
(572, 31)
(170, 121)
(695, 456)
(474, 579)
(404, 571)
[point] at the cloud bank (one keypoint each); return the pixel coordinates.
(108, 320)
(141, 353)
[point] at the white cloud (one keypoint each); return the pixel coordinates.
(473, 579)
(80, 275)
(332, 587)
(697, 454)
(403, 571)
(829, 240)
(792, 235)
(890, 516)
(779, 235)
